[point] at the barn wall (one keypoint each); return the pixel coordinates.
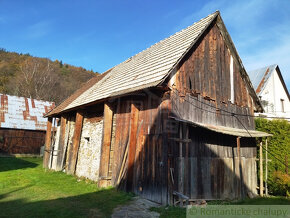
(201, 84)
(17, 141)
(149, 167)
(88, 162)
(209, 168)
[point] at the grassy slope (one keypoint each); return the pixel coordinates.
(27, 190)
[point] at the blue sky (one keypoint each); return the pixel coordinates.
(101, 34)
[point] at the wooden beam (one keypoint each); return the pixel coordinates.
(180, 140)
(61, 145)
(240, 165)
(75, 143)
(105, 153)
(132, 144)
(261, 169)
(266, 168)
(47, 148)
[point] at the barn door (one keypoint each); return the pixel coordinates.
(181, 161)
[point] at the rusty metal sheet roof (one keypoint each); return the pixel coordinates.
(147, 68)
(259, 77)
(226, 130)
(23, 113)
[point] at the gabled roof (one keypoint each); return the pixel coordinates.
(77, 93)
(260, 78)
(152, 66)
(23, 113)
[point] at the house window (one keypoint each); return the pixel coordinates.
(282, 105)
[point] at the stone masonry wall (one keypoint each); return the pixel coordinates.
(89, 154)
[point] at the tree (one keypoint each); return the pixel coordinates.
(37, 79)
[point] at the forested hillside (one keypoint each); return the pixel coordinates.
(39, 78)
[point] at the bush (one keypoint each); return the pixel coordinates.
(280, 184)
(278, 152)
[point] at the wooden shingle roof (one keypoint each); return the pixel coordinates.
(146, 69)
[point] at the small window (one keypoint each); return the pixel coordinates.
(282, 105)
(190, 86)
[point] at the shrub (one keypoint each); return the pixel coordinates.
(278, 152)
(280, 184)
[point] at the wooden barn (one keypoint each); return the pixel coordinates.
(22, 124)
(173, 120)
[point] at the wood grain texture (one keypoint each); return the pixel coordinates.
(132, 144)
(61, 147)
(105, 153)
(46, 155)
(75, 143)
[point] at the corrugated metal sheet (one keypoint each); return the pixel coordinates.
(259, 77)
(227, 130)
(146, 69)
(23, 113)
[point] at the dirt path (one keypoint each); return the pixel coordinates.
(139, 207)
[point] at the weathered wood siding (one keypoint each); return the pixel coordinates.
(201, 84)
(210, 168)
(141, 130)
(17, 141)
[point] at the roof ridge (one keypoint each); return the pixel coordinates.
(124, 73)
(260, 68)
(99, 83)
(130, 58)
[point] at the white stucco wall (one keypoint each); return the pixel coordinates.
(89, 154)
(273, 93)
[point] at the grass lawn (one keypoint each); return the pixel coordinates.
(170, 212)
(27, 190)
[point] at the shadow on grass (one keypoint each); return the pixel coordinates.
(2, 196)
(96, 204)
(12, 163)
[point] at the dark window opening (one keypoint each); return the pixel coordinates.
(282, 105)
(190, 86)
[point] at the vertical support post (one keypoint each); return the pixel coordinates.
(75, 143)
(266, 166)
(180, 162)
(239, 164)
(187, 143)
(60, 152)
(105, 153)
(47, 148)
(261, 169)
(180, 143)
(132, 144)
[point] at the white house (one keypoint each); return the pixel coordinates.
(272, 91)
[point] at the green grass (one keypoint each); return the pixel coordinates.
(171, 212)
(27, 190)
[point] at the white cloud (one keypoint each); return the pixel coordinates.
(39, 29)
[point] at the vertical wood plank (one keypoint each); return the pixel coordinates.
(75, 143)
(47, 143)
(261, 169)
(60, 153)
(105, 153)
(132, 144)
